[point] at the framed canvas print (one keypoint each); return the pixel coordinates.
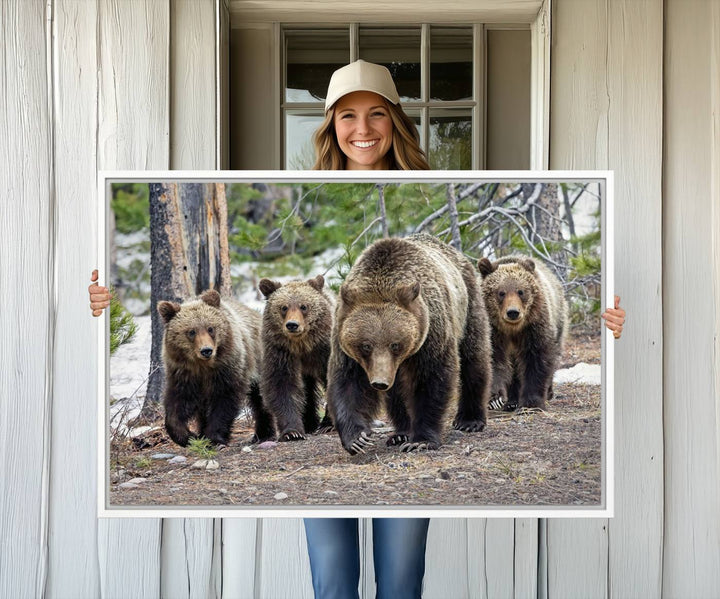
(381, 343)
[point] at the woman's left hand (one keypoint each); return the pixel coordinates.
(615, 318)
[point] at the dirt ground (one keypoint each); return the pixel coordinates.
(550, 458)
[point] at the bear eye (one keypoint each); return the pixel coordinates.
(501, 294)
(284, 309)
(211, 330)
(395, 348)
(303, 308)
(521, 292)
(366, 348)
(191, 333)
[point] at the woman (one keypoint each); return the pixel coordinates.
(365, 129)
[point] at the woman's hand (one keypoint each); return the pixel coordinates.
(615, 318)
(99, 296)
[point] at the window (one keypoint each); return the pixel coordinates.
(468, 88)
(436, 70)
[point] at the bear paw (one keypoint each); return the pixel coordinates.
(362, 443)
(496, 402)
(510, 406)
(469, 426)
(419, 446)
(397, 439)
(292, 435)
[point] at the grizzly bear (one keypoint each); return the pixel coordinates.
(411, 329)
(528, 316)
(211, 353)
(297, 322)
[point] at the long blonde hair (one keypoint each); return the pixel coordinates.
(405, 154)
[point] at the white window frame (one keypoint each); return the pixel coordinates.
(536, 16)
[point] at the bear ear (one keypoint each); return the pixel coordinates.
(268, 287)
(407, 294)
(211, 298)
(317, 283)
(167, 310)
(528, 264)
(348, 296)
(485, 267)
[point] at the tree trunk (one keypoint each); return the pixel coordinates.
(381, 207)
(456, 241)
(544, 217)
(188, 254)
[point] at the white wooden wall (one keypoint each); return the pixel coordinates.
(635, 87)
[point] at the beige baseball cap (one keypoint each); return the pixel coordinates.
(361, 76)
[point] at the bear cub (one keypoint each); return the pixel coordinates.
(411, 330)
(297, 322)
(528, 315)
(211, 353)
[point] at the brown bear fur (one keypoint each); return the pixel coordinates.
(296, 343)
(410, 328)
(211, 354)
(528, 315)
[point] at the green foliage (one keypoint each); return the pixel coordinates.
(122, 324)
(143, 463)
(131, 205)
(586, 264)
(202, 448)
(345, 264)
(247, 235)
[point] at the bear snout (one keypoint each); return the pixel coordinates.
(206, 352)
(292, 326)
(512, 314)
(380, 385)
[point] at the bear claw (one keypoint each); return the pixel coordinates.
(362, 443)
(469, 426)
(419, 446)
(397, 439)
(292, 435)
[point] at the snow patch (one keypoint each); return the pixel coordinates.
(588, 374)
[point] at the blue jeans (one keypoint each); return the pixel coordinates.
(398, 554)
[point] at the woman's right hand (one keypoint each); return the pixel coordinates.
(99, 296)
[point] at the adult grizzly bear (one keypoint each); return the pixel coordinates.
(410, 327)
(297, 322)
(528, 315)
(211, 353)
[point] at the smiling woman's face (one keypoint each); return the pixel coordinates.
(364, 130)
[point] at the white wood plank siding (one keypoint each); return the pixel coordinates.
(691, 317)
(607, 113)
(187, 559)
(447, 564)
(577, 558)
(239, 558)
(190, 568)
(283, 567)
(527, 544)
(635, 91)
(133, 130)
(72, 550)
(26, 317)
(193, 85)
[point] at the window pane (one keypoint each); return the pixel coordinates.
(398, 50)
(451, 55)
(299, 149)
(311, 57)
(450, 139)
